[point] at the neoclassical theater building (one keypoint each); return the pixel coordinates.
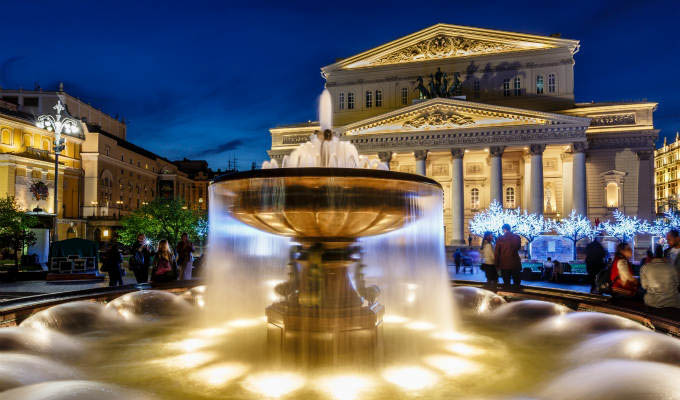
(490, 115)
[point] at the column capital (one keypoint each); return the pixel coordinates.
(644, 154)
(496, 151)
(536, 149)
(457, 152)
(420, 154)
(579, 147)
(385, 156)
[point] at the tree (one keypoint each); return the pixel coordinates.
(624, 228)
(490, 220)
(661, 226)
(163, 219)
(529, 226)
(575, 227)
(15, 227)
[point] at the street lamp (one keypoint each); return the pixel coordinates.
(57, 124)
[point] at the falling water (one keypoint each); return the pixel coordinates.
(325, 110)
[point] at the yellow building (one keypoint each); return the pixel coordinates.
(666, 178)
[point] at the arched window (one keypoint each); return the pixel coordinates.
(6, 136)
(404, 96)
(539, 84)
(474, 198)
(27, 140)
(552, 83)
(46, 145)
(517, 84)
(350, 101)
(510, 197)
(612, 190)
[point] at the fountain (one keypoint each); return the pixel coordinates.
(326, 279)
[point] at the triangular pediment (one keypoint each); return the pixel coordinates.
(444, 41)
(447, 114)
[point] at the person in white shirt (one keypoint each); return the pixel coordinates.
(660, 281)
(488, 261)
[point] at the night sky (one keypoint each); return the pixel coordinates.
(203, 79)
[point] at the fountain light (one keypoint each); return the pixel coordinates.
(463, 349)
(420, 326)
(190, 345)
(344, 387)
(411, 292)
(219, 375)
(410, 377)
(453, 336)
(394, 319)
(186, 361)
(452, 366)
(274, 384)
(244, 322)
(210, 332)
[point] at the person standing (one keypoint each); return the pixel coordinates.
(506, 256)
(595, 255)
(457, 258)
(185, 257)
(140, 259)
(164, 264)
(673, 240)
(488, 262)
(621, 276)
(660, 280)
(112, 260)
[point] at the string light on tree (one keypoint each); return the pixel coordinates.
(624, 228)
(575, 227)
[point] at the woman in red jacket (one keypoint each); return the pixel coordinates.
(624, 283)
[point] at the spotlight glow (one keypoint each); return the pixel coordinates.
(420, 326)
(394, 319)
(186, 361)
(344, 387)
(452, 366)
(410, 377)
(244, 322)
(190, 345)
(463, 349)
(219, 375)
(274, 384)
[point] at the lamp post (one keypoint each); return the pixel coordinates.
(57, 124)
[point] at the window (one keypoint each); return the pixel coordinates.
(474, 198)
(350, 101)
(551, 83)
(6, 136)
(404, 96)
(510, 197)
(612, 190)
(506, 87)
(341, 101)
(27, 140)
(30, 102)
(369, 99)
(518, 86)
(378, 98)
(539, 84)
(475, 88)
(107, 150)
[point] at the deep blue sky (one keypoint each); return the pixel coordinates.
(206, 79)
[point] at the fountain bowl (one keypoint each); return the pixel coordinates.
(325, 204)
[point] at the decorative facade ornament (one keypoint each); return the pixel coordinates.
(457, 153)
(579, 147)
(616, 119)
(438, 119)
(420, 154)
(536, 149)
(496, 151)
(444, 46)
(385, 156)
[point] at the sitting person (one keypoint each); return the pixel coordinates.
(547, 269)
(557, 270)
(623, 282)
(660, 280)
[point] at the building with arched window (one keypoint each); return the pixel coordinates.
(511, 131)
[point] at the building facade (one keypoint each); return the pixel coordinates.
(490, 115)
(666, 177)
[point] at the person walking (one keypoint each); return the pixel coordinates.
(595, 255)
(506, 256)
(457, 258)
(140, 259)
(164, 264)
(185, 257)
(112, 259)
(621, 276)
(488, 262)
(660, 281)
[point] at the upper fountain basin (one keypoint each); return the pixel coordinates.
(325, 204)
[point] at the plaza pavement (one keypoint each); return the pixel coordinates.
(478, 276)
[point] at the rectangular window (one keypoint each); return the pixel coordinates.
(378, 98)
(518, 86)
(506, 87)
(551, 83)
(539, 84)
(404, 96)
(350, 101)
(30, 102)
(475, 88)
(341, 101)
(369, 99)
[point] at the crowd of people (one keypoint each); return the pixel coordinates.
(148, 264)
(658, 284)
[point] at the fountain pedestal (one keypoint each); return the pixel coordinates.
(323, 319)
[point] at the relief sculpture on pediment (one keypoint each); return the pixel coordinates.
(437, 118)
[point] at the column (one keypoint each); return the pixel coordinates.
(496, 164)
(421, 157)
(579, 202)
(536, 188)
(385, 157)
(645, 185)
(457, 202)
